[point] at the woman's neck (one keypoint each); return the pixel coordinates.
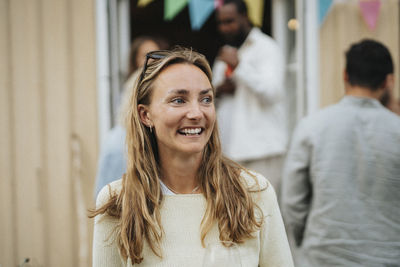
(179, 173)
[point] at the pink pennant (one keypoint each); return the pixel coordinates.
(370, 12)
(218, 3)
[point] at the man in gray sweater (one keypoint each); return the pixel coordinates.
(341, 184)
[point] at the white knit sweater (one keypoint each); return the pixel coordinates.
(181, 216)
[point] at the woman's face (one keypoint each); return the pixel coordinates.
(181, 110)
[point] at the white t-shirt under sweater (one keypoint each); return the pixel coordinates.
(165, 190)
(181, 217)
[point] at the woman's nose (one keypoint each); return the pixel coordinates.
(194, 112)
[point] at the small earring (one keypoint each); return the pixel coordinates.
(151, 128)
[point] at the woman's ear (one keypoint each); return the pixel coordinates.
(144, 115)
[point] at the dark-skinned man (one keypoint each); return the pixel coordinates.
(248, 75)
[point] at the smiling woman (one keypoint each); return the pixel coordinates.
(179, 193)
(182, 113)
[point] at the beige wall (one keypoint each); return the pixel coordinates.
(345, 25)
(48, 131)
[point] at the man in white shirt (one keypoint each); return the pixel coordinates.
(248, 76)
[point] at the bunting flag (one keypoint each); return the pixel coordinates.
(172, 8)
(256, 11)
(323, 8)
(370, 12)
(143, 3)
(199, 11)
(218, 3)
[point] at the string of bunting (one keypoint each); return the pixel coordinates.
(369, 10)
(200, 10)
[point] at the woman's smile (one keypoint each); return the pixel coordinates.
(191, 131)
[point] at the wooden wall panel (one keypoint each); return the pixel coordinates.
(57, 86)
(48, 133)
(345, 25)
(83, 123)
(26, 103)
(7, 205)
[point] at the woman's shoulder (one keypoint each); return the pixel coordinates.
(262, 191)
(255, 182)
(109, 190)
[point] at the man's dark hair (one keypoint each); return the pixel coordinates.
(241, 6)
(368, 63)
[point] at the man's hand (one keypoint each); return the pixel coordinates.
(229, 55)
(227, 87)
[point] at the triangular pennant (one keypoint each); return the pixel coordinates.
(199, 11)
(218, 3)
(256, 11)
(323, 8)
(173, 7)
(143, 3)
(370, 12)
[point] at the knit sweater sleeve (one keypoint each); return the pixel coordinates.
(274, 245)
(105, 248)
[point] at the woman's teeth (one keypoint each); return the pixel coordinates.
(191, 131)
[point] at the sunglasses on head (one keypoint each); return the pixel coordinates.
(157, 54)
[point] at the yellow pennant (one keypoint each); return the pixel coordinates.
(256, 11)
(143, 3)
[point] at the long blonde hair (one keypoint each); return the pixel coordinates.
(229, 202)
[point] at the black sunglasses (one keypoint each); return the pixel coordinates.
(157, 54)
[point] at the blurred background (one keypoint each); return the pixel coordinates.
(63, 64)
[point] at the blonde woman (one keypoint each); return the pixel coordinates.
(179, 193)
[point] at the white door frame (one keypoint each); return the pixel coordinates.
(113, 43)
(308, 57)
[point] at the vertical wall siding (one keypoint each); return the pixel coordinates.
(84, 122)
(48, 131)
(57, 94)
(7, 203)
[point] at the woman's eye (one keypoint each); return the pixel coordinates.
(178, 101)
(207, 100)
